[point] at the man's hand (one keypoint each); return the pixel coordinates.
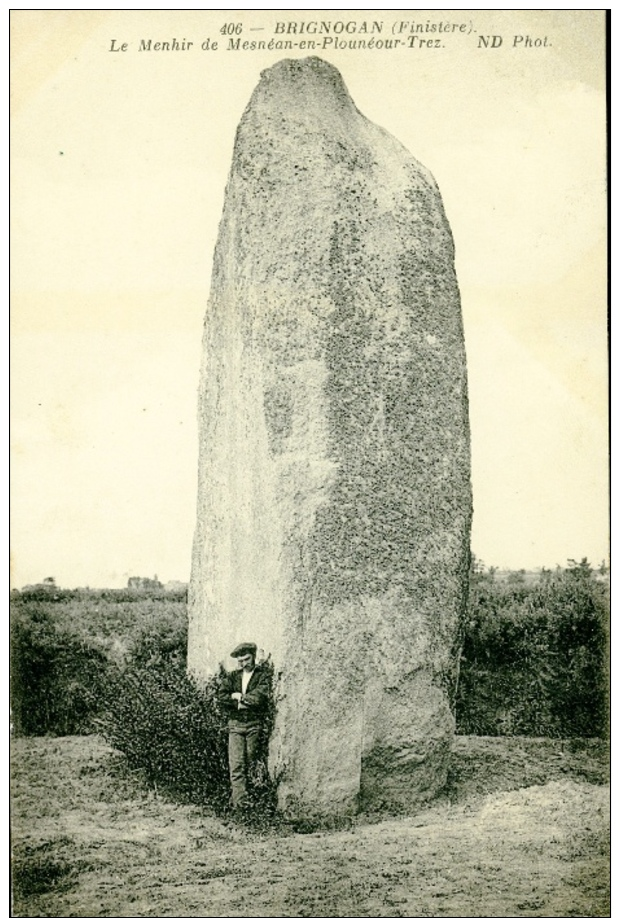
(236, 696)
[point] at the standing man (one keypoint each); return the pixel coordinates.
(244, 696)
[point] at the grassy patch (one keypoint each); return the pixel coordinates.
(522, 831)
(48, 867)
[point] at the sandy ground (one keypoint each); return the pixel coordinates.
(522, 830)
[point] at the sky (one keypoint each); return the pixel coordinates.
(119, 165)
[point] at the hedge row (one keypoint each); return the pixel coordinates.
(534, 660)
(535, 655)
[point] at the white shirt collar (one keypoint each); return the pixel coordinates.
(245, 678)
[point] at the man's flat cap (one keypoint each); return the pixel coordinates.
(242, 649)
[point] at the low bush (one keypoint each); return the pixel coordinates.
(56, 680)
(534, 658)
(170, 728)
(67, 647)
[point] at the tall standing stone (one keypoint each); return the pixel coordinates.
(334, 500)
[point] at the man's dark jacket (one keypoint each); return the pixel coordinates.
(255, 701)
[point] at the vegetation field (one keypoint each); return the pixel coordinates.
(522, 830)
(534, 659)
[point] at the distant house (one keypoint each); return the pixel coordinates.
(175, 586)
(47, 586)
(144, 583)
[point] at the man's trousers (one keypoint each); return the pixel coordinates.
(243, 751)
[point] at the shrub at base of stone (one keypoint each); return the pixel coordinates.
(170, 729)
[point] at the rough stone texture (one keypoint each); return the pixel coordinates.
(334, 503)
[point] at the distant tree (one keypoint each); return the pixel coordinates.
(581, 568)
(477, 568)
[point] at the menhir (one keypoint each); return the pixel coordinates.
(334, 499)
